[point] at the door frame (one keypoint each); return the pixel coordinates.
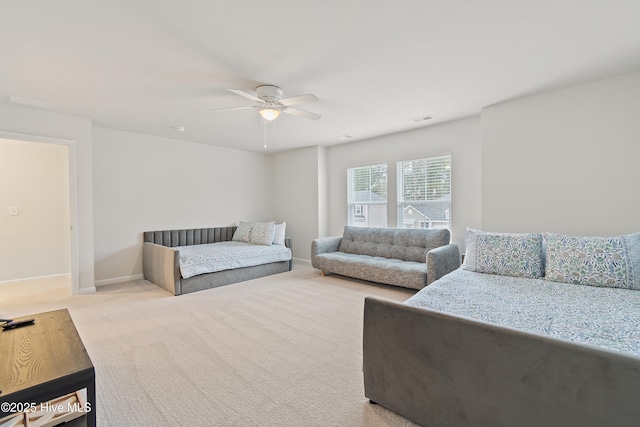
(73, 197)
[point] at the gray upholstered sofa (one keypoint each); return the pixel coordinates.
(518, 336)
(411, 258)
(161, 260)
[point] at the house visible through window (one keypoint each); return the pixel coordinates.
(367, 196)
(424, 193)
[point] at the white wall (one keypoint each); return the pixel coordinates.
(144, 183)
(461, 138)
(323, 192)
(26, 122)
(296, 196)
(34, 177)
(564, 161)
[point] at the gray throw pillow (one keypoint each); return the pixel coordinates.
(243, 232)
(262, 233)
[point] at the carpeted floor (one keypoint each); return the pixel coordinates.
(284, 350)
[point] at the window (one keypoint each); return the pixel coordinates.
(367, 196)
(424, 193)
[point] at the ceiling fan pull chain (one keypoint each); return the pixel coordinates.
(265, 134)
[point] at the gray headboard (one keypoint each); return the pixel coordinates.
(193, 236)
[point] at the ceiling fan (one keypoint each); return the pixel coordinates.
(272, 103)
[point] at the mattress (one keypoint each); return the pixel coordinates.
(603, 317)
(212, 257)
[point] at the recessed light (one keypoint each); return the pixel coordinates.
(178, 128)
(343, 137)
(423, 119)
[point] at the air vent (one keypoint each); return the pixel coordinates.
(422, 119)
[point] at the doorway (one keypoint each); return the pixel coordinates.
(38, 215)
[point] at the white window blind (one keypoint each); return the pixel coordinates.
(424, 193)
(367, 196)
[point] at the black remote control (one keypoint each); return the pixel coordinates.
(18, 324)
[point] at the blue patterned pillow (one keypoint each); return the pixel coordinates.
(508, 254)
(612, 262)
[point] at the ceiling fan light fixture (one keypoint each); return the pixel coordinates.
(269, 113)
(271, 103)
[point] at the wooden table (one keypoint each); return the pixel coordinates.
(44, 361)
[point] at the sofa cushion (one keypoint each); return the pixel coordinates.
(397, 243)
(376, 269)
(509, 254)
(612, 262)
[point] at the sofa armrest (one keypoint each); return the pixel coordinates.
(441, 261)
(161, 266)
(323, 245)
(288, 242)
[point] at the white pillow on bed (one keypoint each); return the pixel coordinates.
(278, 236)
(262, 233)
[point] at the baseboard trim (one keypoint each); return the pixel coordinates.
(28, 279)
(122, 279)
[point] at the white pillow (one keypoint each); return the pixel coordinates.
(262, 233)
(278, 236)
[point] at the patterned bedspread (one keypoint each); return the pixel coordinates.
(603, 317)
(212, 257)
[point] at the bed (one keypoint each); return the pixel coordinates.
(481, 349)
(190, 260)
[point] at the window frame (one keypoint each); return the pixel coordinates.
(373, 201)
(434, 167)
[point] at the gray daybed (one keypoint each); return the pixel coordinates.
(161, 260)
(498, 344)
(411, 258)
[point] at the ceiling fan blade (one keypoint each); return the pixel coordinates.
(246, 95)
(233, 108)
(298, 99)
(301, 113)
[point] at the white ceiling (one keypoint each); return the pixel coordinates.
(148, 66)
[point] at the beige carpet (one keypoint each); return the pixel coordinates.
(285, 350)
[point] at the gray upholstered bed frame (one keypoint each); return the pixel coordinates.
(442, 370)
(160, 262)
